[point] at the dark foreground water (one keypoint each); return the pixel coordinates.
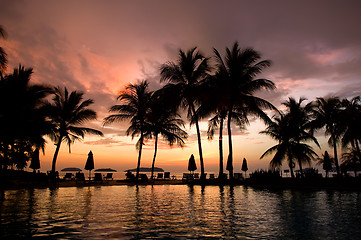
(179, 212)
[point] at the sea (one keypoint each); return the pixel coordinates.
(178, 212)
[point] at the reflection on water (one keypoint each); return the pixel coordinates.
(178, 212)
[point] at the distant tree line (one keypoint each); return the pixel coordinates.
(222, 93)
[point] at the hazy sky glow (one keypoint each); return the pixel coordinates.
(100, 46)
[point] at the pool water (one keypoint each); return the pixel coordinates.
(178, 212)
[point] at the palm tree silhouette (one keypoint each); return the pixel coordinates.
(351, 118)
(135, 105)
(183, 84)
(161, 120)
(3, 55)
(351, 160)
(288, 147)
(327, 113)
(68, 112)
(22, 112)
(278, 130)
(300, 127)
(237, 72)
(217, 122)
(213, 97)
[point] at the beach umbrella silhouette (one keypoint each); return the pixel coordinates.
(244, 166)
(89, 165)
(327, 166)
(192, 164)
(35, 161)
(229, 166)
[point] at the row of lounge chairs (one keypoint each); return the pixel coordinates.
(192, 176)
(165, 177)
(195, 176)
(144, 177)
(80, 177)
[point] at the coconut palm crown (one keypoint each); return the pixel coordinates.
(327, 113)
(135, 106)
(163, 121)
(237, 71)
(183, 85)
(68, 112)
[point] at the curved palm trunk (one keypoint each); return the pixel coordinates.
(155, 154)
(335, 155)
(56, 155)
(139, 155)
(220, 141)
(230, 156)
(199, 142)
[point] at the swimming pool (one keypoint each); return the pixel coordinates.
(178, 212)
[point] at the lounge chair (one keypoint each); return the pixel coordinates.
(211, 176)
(238, 176)
(109, 176)
(130, 175)
(160, 176)
(187, 176)
(98, 177)
(196, 176)
(167, 175)
(68, 176)
(79, 177)
(143, 177)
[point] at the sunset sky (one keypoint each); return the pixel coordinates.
(100, 46)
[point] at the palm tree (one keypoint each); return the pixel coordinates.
(278, 130)
(300, 126)
(214, 123)
(288, 147)
(213, 86)
(183, 84)
(237, 72)
(22, 112)
(351, 160)
(327, 113)
(3, 56)
(68, 112)
(135, 105)
(351, 118)
(161, 120)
